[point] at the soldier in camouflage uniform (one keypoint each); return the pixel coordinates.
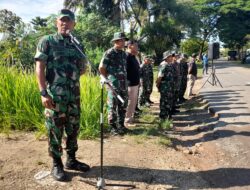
(165, 85)
(59, 66)
(183, 74)
(113, 66)
(176, 69)
(146, 81)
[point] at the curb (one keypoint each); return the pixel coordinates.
(210, 109)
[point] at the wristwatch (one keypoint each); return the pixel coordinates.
(43, 93)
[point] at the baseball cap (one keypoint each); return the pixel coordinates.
(130, 42)
(66, 13)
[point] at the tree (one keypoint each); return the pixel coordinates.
(163, 31)
(39, 23)
(234, 24)
(9, 22)
(94, 30)
(192, 45)
(227, 19)
(207, 12)
(107, 8)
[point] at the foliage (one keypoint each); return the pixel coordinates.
(157, 24)
(233, 28)
(94, 31)
(162, 36)
(192, 45)
(39, 23)
(21, 109)
(94, 57)
(108, 9)
(228, 19)
(9, 23)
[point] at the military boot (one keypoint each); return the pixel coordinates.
(115, 130)
(73, 164)
(57, 170)
(124, 129)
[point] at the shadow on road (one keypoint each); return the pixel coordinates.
(218, 178)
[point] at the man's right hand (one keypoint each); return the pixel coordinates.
(48, 102)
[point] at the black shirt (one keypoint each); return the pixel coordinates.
(193, 68)
(133, 70)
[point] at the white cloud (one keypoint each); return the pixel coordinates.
(28, 9)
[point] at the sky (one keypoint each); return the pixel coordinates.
(29, 9)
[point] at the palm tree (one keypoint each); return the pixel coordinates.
(39, 22)
(108, 8)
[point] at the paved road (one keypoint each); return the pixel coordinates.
(232, 133)
(231, 102)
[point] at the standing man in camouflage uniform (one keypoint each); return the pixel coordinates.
(59, 66)
(113, 67)
(176, 75)
(165, 85)
(183, 75)
(146, 81)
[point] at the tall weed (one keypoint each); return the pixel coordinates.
(21, 108)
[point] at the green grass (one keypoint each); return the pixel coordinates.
(166, 125)
(21, 108)
(199, 67)
(164, 141)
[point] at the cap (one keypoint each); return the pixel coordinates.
(66, 13)
(184, 56)
(167, 54)
(147, 57)
(130, 42)
(194, 55)
(119, 36)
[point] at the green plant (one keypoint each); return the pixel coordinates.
(21, 108)
(166, 124)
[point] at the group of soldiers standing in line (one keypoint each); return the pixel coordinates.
(127, 77)
(59, 66)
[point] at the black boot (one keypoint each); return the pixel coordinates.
(57, 170)
(151, 102)
(73, 164)
(138, 109)
(124, 129)
(115, 130)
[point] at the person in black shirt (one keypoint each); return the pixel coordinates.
(133, 77)
(192, 74)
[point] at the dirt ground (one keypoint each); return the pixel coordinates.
(179, 158)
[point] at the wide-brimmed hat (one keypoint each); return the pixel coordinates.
(66, 13)
(119, 36)
(194, 55)
(147, 57)
(183, 55)
(166, 54)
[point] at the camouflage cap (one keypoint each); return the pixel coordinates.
(66, 13)
(119, 36)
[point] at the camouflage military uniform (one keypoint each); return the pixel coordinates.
(183, 80)
(166, 89)
(176, 74)
(63, 66)
(115, 63)
(146, 78)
